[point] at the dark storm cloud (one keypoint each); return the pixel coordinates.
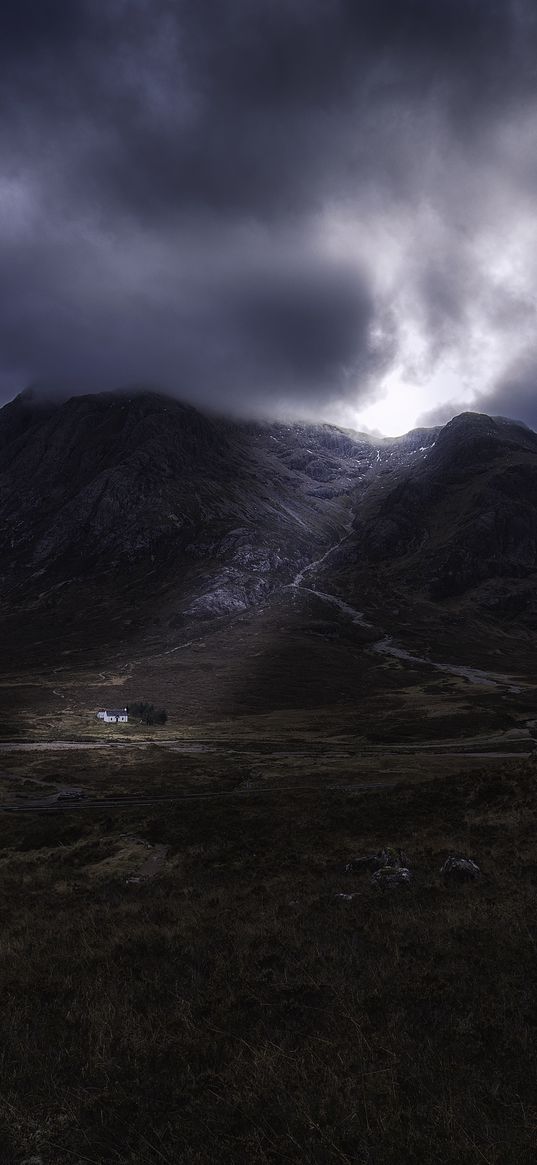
(257, 204)
(308, 330)
(514, 395)
(255, 108)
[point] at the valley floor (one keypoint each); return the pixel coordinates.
(208, 983)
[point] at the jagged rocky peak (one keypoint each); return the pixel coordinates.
(470, 434)
(415, 439)
(460, 515)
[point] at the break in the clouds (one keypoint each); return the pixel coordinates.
(313, 207)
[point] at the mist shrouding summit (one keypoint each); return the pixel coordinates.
(320, 208)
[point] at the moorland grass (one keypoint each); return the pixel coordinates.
(236, 1010)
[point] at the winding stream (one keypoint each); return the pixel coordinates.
(474, 675)
(387, 646)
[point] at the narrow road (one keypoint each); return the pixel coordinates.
(172, 798)
(66, 745)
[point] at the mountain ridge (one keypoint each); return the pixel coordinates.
(133, 526)
(114, 477)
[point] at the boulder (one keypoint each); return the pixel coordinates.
(368, 862)
(396, 857)
(389, 876)
(385, 857)
(459, 869)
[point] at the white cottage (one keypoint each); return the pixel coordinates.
(114, 715)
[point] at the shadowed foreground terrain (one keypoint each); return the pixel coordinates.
(234, 1009)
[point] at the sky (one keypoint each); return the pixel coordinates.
(321, 209)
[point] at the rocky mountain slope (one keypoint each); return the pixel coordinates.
(128, 515)
(119, 480)
(459, 519)
(132, 483)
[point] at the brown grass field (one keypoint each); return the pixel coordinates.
(233, 1009)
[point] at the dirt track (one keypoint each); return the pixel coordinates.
(73, 806)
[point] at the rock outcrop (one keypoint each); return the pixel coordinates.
(389, 877)
(389, 856)
(459, 869)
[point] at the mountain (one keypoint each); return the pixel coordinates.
(133, 526)
(460, 519)
(132, 484)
